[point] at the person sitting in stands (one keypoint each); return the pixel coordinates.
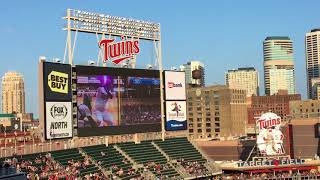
(102, 154)
(114, 167)
(121, 172)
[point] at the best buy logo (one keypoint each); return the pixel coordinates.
(58, 82)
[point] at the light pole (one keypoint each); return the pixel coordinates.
(33, 142)
(5, 141)
(15, 142)
(24, 139)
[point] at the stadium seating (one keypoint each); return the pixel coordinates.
(111, 159)
(180, 148)
(31, 158)
(63, 156)
(145, 153)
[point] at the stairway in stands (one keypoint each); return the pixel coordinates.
(181, 149)
(177, 148)
(111, 159)
(145, 153)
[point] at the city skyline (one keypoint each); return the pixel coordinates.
(278, 64)
(246, 78)
(312, 60)
(13, 94)
(40, 33)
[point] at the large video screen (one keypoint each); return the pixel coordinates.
(117, 101)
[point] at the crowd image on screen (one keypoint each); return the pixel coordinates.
(140, 114)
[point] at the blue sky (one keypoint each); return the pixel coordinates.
(222, 34)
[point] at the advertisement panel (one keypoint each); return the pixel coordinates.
(58, 120)
(176, 116)
(175, 85)
(57, 81)
(55, 96)
(113, 101)
(270, 137)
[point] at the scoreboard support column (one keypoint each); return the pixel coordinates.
(163, 131)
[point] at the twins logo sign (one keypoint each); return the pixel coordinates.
(120, 51)
(176, 115)
(58, 120)
(270, 137)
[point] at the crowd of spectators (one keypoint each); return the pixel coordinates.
(120, 172)
(75, 168)
(194, 167)
(140, 114)
(41, 167)
(157, 169)
(44, 167)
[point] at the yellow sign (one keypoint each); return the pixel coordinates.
(58, 82)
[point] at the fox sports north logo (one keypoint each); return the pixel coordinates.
(58, 111)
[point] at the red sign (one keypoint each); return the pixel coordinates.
(265, 124)
(268, 120)
(119, 51)
(172, 85)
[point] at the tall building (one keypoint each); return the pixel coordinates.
(190, 68)
(216, 111)
(13, 95)
(281, 79)
(312, 42)
(243, 78)
(278, 104)
(278, 54)
(315, 85)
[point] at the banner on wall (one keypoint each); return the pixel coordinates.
(57, 82)
(58, 120)
(57, 100)
(176, 116)
(175, 85)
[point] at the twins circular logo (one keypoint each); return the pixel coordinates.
(58, 111)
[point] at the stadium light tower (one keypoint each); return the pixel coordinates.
(113, 26)
(110, 26)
